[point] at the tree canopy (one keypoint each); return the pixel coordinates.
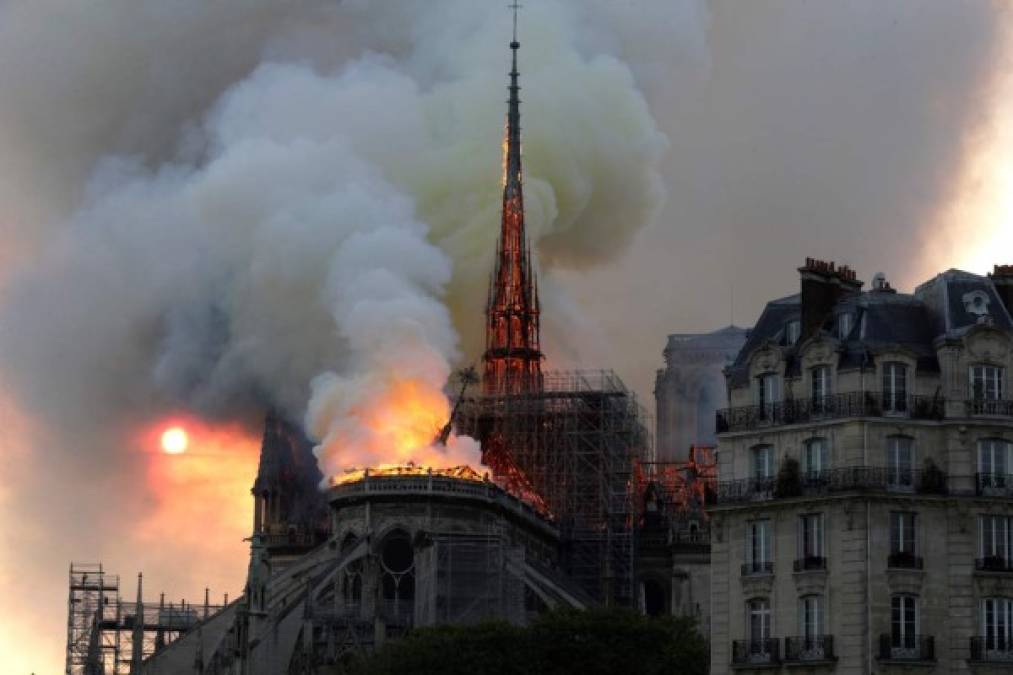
(563, 641)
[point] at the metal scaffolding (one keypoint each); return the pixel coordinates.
(109, 636)
(574, 445)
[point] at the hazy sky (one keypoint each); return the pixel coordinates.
(192, 194)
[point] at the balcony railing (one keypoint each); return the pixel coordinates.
(994, 484)
(812, 648)
(757, 568)
(992, 649)
(842, 479)
(907, 648)
(834, 406)
(993, 563)
(904, 560)
(756, 652)
(810, 563)
(995, 407)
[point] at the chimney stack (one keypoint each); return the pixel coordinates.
(823, 286)
(1002, 279)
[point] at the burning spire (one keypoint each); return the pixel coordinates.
(513, 359)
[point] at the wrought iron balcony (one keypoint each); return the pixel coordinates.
(989, 407)
(831, 481)
(907, 648)
(757, 568)
(993, 563)
(994, 484)
(992, 649)
(756, 652)
(834, 406)
(904, 560)
(811, 648)
(810, 563)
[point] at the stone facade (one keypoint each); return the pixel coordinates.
(862, 521)
(690, 388)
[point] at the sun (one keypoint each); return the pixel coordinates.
(174, 441)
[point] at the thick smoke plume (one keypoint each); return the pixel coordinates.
(211, 207)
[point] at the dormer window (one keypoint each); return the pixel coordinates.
(792, 332)
(844, 323)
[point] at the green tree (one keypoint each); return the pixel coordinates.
(564, 641)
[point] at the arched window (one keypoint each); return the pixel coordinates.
(397, 560)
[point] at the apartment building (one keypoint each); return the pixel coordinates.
(864, 510)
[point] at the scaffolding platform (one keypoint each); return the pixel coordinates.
(573, 444)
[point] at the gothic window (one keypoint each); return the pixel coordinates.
(397, 561)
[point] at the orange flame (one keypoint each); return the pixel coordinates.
(394, 429)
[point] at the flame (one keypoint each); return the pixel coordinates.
(393, 428)
(463, 472)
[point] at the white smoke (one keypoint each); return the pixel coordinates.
(328, 221)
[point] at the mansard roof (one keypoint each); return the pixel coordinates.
(947, 306)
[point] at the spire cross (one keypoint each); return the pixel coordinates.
(515, 6)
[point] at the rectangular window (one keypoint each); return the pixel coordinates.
(900, 462)
(768, 395)
(994, 461)
(986, 383)
(763, 462)
(997, 624)
(904, 622)
(820, 384)
(758, 546)
(792, 332)
(844, 326)
(902, 532)
(759, 620)
(895, 387)
(810, 531)
(815, 460)
(994, 541)
(811, 616)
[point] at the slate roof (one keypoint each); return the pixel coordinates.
(885, 319)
